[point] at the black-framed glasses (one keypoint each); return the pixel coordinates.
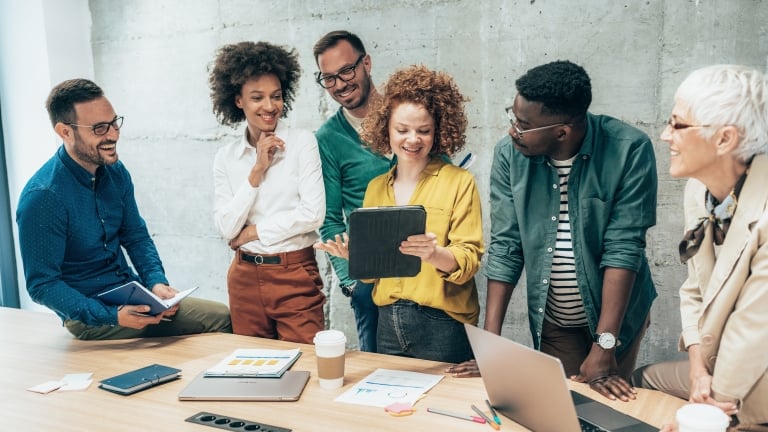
(681, 126)
(102, 128)
(346, 74)
(521, 132)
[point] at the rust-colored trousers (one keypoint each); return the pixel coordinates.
(276, 296)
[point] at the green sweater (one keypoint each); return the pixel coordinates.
(348, 166)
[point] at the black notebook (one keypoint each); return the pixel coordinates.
(140, 379)
(375, 234)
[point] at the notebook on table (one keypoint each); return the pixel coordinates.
(375, 235)
(529, 386)
(284, 389)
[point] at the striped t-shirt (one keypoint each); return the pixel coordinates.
(565, 307)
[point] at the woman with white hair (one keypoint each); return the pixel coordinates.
(718, 137)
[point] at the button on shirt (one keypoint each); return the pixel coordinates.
(289, 204)
(72, 226)
(612, 196)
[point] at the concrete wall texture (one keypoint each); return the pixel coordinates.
(152, 59)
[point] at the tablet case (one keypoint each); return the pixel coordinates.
(140, 379)
(375, 235)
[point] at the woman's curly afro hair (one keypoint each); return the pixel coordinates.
(235, 64)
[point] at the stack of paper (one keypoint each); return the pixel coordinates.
(255, 363)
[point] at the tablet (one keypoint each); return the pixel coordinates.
(375, 234)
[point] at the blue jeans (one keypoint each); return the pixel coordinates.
(410, 330)
(366, 315)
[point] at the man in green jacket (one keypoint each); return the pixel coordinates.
(348, 164)
(572, 196)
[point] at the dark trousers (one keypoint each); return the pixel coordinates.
(410, 330)
(572, 344)
(366, 315)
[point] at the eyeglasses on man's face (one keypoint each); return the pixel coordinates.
(346, 74)
(521, 132)
(102, 128)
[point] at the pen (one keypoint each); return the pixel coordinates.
(485, 417)
(493, 412)
(475, 419)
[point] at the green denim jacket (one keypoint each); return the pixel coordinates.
(612, 203)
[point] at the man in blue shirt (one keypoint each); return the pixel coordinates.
(78, 213)
(572, 196)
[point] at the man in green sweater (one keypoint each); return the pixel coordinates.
(348, 164)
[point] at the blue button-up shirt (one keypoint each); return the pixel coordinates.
(72, 225)
(611, 205)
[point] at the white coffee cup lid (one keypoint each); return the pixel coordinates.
(330, 337)
(702, 416)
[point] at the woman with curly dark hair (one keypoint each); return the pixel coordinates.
(269, 196)
(421, 121)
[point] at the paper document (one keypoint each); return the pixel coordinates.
(385, 386)
(255, 363)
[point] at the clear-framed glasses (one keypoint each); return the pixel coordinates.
(346, 74)
(681, 126)
(521, 132)
(102, 128)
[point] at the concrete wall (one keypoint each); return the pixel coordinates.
(152, 58)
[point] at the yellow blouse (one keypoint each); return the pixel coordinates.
(450, 196)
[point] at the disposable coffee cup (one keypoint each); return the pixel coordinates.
(330, 346)
(701, 418)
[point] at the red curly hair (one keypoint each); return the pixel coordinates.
(435, 91)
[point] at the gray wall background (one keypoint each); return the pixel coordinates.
(152, 58)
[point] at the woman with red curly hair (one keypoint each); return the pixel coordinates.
(421, 121)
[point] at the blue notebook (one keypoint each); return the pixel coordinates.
(140, 379)
(134, 293)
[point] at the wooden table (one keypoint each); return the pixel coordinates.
(36, 349)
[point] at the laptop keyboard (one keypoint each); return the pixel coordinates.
(589, 427)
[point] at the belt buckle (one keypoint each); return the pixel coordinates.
(258, 259)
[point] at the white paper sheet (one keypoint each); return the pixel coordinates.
(386, 386)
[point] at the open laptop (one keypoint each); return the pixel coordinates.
(530, 388)
(286, 388)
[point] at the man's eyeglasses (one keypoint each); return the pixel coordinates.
(346, 74)
(102, 128)
(680, 126)
(521, 132)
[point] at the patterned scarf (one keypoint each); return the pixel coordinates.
(720, 215)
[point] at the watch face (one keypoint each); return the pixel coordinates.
(606, 340)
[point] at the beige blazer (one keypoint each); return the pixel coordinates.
(724, 301)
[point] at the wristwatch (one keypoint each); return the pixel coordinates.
(348, 288)
(606, 340)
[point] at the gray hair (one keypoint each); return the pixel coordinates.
(730, 95)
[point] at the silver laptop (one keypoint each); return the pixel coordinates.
(530, 388)
(286, 388)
